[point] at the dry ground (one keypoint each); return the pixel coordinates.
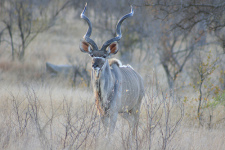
(38, 112)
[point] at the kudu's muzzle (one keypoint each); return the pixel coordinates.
(97, 65)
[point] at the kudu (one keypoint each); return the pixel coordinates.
(118, 89)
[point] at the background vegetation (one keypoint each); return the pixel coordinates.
(177, 46)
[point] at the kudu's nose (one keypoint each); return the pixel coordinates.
(94, 65)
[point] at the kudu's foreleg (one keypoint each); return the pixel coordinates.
(105, 122)
(109, 123)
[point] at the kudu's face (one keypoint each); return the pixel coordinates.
(98, 66)
(99, 56)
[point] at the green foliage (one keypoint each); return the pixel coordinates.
(206, 88)
(220, 98)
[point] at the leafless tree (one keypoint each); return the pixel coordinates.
(24, 20)
(184, 23)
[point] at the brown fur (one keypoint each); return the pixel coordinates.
(99, 106)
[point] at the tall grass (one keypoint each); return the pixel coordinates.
(37, 116)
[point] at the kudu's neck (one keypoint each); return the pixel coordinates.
(105, 78)
(101, 86)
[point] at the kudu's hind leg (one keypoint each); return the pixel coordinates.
(132, 117)
(132, 120)
(135, 113)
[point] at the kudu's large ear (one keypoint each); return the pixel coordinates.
(113, 48)
(85, 46)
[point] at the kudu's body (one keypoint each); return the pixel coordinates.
(117, 88)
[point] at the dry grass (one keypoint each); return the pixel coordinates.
(42, 113)
(37, 116)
